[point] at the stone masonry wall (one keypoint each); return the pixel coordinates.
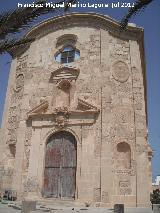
(113, 150)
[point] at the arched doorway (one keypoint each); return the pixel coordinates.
(60, 166)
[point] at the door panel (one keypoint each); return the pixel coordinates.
(68, 152)
(53, 157)
(51, 182)
(68, 182)
(60, 166)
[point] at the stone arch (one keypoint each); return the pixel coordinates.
(123, 156)
(55, 130)
(67, 39)
(67, 51)
(60, 165)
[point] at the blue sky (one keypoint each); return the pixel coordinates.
(149, 20)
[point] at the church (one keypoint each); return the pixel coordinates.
(75, 118)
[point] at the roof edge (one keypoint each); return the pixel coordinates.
(107, 19)
(102, 21)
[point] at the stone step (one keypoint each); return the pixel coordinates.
(62, 203)
(94, 210)
(60, 206)
(74, 210)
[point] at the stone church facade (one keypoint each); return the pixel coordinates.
(75, 118)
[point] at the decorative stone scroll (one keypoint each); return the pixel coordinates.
(22, 62)
(61, 118)
(12, 136)
(21, 67)
(127, 172)
(28, 136)
(27, 144)
(122, 114)
(125, 187)
(137, 79)
(97, 195)
(125, 191)
(120, 71)
(105, 197)
(119, 49)
(19, 82)
(31, 185)
(133, 167)
(17, 93)
(124, 184)
(12, 125)
(13, 111)
(26, 160)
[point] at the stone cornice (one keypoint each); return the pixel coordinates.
(94, 20)
(61, 119)
(89, 19)
(61, 116)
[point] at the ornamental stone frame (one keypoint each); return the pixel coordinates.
(35, 192)
(105, 105)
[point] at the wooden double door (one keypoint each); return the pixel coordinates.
(60, 166)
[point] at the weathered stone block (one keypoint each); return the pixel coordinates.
(156, 208)
(28, 206)
(119, 208)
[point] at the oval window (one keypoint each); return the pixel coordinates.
(67, 55)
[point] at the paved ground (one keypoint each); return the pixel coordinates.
(5, 209)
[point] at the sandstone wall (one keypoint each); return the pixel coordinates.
(113, 162)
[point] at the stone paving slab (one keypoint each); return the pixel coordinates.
(97, 210)
(4, 208)
(138, 210)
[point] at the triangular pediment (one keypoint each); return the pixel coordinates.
(40, 109)
(84, 105)
(82, 109)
